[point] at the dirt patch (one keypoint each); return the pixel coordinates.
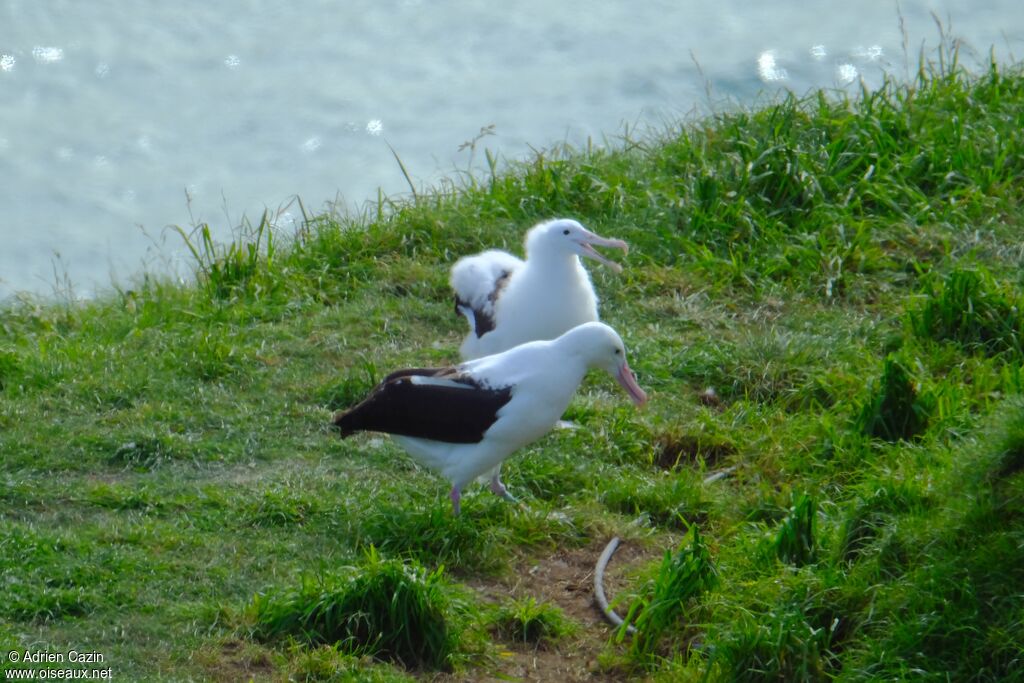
(675, 450)
(564, 578)
(238, 660)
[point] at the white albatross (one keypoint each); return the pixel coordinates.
(508, 301)
(464, 421)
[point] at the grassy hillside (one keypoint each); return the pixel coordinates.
(823, 298)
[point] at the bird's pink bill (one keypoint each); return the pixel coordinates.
(588, 241)
(627, 381)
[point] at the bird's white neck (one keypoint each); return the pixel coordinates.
(556, 266)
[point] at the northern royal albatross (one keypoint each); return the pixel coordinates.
(463, 421)
(508, 301)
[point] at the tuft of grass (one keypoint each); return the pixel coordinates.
(893, 409)
(795, 541)
(525, 620)
(385, 608)
(970, 308)
(244, 267)
(682, 578)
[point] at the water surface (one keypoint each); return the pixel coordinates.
(119, 119)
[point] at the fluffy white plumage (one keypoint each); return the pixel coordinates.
(508, 301)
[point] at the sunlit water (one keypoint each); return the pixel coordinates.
(118, 119)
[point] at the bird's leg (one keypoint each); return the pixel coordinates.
(500, 489)
(456, 496)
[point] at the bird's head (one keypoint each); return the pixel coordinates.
(565, 235)
(601, 347)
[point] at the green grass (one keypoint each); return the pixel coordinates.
(822, 295)
(525, 620)
(894, 408)
(795, 540)
(385, 608)
(972, 309)
(682, 578)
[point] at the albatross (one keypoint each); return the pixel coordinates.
(508, 301)
(464, 421)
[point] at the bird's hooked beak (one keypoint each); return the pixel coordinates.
(585, 244)
(627, 381)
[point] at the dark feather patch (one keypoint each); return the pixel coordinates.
(428, 411)
(499, 284)
(483, 322)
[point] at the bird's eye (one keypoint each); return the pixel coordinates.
(566, 231)
(618, 352)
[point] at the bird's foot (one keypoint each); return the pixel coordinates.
(456, 497)
(499, 489)
(509, 497)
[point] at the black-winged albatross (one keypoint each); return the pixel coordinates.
(508, 301)
(463, 421)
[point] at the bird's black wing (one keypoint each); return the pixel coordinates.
(430, 403)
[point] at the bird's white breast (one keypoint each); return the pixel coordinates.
(540, 304)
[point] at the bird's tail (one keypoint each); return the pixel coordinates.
(343, 423)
